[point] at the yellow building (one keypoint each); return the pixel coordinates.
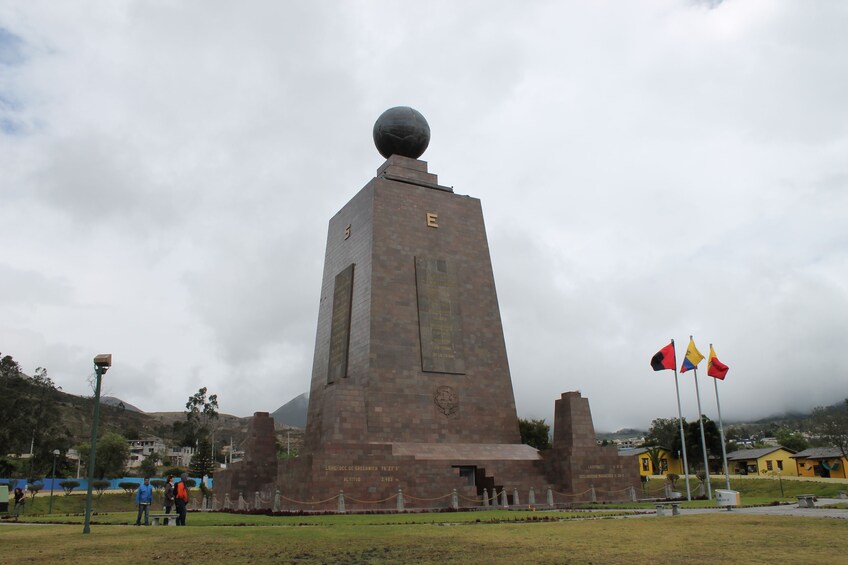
(762, 462)
(668, 463)
(821, 462)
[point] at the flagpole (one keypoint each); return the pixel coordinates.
(703, 440)
(721, 430)
(680, 421)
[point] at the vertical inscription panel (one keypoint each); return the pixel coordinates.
(340, 326)
(439, 316)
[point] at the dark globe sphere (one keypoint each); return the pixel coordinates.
(401, 131)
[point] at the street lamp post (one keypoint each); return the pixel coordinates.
(101, 365)
(53, 480)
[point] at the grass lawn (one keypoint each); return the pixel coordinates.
(486, 536)
(710, 538)
(232, 519)
(755, 491)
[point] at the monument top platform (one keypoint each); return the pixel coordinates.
(410, 171)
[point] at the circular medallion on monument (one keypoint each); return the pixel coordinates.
(401, 131)
(446, 400)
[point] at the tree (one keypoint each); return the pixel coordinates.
(44, 418)
(113, 452)
(28, 416)
(654, 453)
(147, 467)
(535, 433)
(11, 381)
(34, 489)
(200, 413)
(69, 486)
(100, 486)
(673, 478)
(830, 425)
(128, 487)
(790, 439)
(694, 453)
(203, 461)
(664, 432)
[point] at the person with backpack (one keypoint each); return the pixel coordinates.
(181, 499)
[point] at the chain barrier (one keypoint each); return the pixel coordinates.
(625, 489)
(334, 497)
(576, 494)
(426, 499)
(484, 499)
(649, 491)
(347, 497)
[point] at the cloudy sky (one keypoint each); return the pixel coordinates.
(648, 170)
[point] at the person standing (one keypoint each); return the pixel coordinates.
(181, 499)
(144, 497)
(169, 494)
(20, 502)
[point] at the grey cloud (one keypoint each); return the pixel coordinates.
(645, 174)
(28, 288)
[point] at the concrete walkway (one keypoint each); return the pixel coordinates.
(782, 510)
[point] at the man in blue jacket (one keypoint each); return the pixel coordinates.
(144, 497)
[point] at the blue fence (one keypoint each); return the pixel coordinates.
(113, 483)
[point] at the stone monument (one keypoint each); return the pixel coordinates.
(411, 387)
(259, 466)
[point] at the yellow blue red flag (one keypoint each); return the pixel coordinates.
(693, 357)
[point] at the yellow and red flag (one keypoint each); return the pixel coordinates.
(715, 368)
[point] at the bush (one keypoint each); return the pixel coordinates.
(157, 484)
(100, 486)
(673, 478)
(68, 486)
(175, 471)
(34, 488)
(129, 488)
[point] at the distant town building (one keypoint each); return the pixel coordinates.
(821, 462)
(141, 449)
(180, 456)
(763, 461)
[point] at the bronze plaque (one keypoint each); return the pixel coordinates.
(439, 316)
(340, 332)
